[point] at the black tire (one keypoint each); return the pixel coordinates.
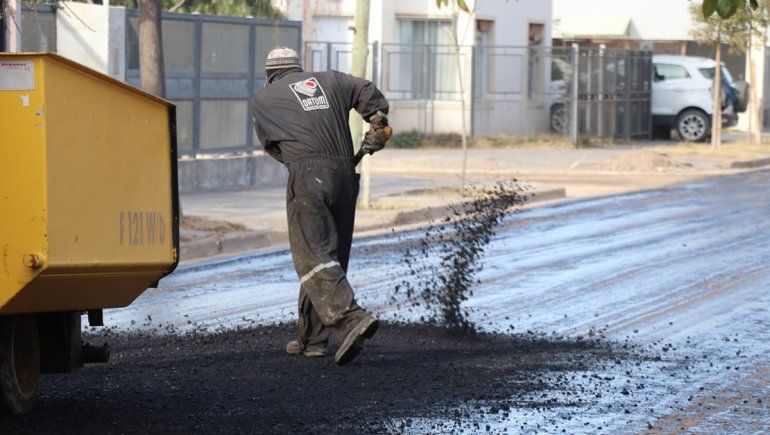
(559, 121)
(661, 133)
(693, 125)
(19, 363)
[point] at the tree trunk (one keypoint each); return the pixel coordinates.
(716, 119)
(456, 46)
(11, 12)
(756, 110)
(358, 69)
(153, 77)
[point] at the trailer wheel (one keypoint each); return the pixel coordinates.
(19, 363)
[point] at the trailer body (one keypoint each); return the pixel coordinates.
(88, 196)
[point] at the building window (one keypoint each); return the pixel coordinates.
(427, 67)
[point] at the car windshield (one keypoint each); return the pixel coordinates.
(709, 73)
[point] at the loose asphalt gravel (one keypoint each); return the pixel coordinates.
(241, 381)
(639, 312)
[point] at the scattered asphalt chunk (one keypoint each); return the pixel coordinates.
(459, 242)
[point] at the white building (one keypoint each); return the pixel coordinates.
(391, 21)
(501, 80)
(629, 23)
(417, 66)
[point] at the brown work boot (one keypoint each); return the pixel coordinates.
(315, 351)
(354, 340)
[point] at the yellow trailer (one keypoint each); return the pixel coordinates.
(88, 211)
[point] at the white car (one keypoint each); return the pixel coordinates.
(681, 96)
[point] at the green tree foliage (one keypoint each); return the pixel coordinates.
(735, 31)
(460, 3)
(727, 8)
(233, 8)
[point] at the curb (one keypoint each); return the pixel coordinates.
(228, 244)
(747, 164)
(430, 213)
(253, 240)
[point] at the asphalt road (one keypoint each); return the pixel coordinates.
(641, 312)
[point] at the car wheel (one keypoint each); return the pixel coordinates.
(693, 125)
(559, 119)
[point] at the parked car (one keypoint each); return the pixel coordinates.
(681, 97)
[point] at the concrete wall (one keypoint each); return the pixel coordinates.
(117, 43)
(93, 35)
(84, 34)
(230, 173)
(758, 53)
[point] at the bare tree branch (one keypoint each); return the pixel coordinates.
(177, 6)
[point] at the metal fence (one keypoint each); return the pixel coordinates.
(39, 24)
(506, 91)
(215, 64)
(213, 67)
(613, 94)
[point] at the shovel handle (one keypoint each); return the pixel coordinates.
(360, 155)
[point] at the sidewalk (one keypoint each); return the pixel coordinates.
(247, 220)
(414, 186)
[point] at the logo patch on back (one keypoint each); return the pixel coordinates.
(310, 94)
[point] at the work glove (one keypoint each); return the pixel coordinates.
(378, 135)
(378, 120)
(375, 139)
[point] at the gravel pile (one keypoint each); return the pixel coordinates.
(241, 381)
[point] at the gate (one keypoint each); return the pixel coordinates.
(526, 92)
(579, 92)
(214, 64)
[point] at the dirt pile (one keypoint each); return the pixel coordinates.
(241, 380)
(458, 242)
(195, 227)
(641, 161)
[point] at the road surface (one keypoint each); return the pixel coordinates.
(671, 285)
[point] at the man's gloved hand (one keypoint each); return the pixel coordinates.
(375, 139)
(378, 120)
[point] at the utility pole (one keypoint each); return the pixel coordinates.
(11, 25)
(360, 56)
(716, 119)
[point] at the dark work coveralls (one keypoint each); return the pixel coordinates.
(302, 120)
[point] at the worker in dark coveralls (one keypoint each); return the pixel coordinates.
(301, 119)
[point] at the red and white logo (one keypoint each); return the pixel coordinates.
(307, 87)
(310, 94)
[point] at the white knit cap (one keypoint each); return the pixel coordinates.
(282, 57)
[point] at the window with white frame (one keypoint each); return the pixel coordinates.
(427, 67)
